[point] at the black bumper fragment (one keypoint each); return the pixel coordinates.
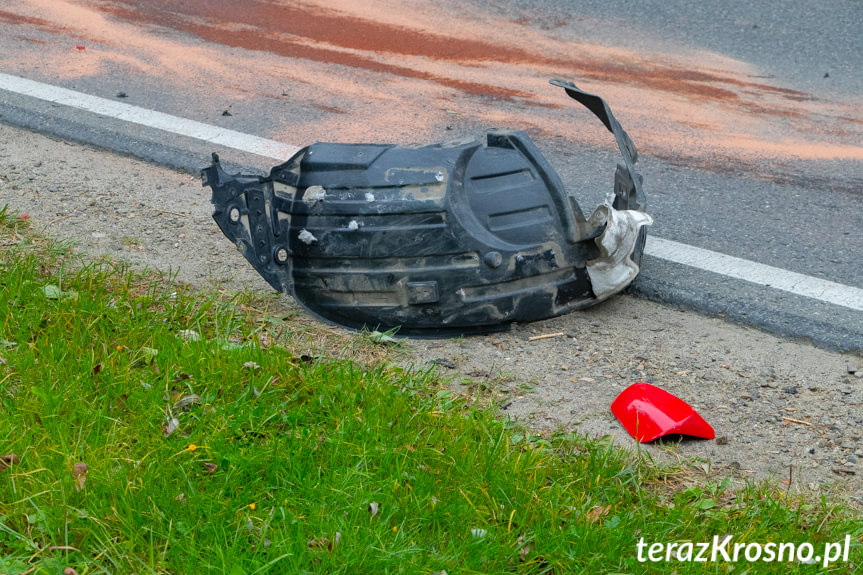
(439, 240)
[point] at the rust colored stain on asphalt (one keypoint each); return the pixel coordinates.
(332, 37)
(322, 26)
(11, 18)
(329, 109)
(717, 105)
(38, 23)
(281, 28)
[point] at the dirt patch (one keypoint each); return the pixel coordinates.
(779, 407)
(109, 205)
(782, 408)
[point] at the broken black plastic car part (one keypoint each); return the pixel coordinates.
(439, 240)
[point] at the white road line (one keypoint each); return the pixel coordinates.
(753, 272)
(150, 118)
(729, 266)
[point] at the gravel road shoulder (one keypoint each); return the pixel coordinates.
(780, 408)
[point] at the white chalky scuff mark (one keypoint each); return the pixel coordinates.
(314, 194)
(307, 237)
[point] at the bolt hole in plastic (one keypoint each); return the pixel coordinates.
(648, 413)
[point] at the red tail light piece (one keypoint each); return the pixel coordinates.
(648, 412)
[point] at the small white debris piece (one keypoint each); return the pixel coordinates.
(353, 226)
(189, 335)
(314, 194)
(478, 533)
(171, 426)
(370, 197)
(307, 237)
(614, 269)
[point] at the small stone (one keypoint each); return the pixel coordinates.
(722, 440)
(792, 390)
(851, 458)
(733, 419)
(851, 368)
(122, 95)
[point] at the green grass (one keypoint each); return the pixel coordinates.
(284, 451)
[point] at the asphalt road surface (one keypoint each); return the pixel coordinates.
(748, 116)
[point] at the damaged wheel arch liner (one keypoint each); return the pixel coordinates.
(439, 240)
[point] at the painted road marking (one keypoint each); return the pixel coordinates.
(150, 118)
(729, 266)
(754, 272)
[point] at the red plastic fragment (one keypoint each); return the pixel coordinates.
(80, 47)
(23, 216)
(648, 412)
